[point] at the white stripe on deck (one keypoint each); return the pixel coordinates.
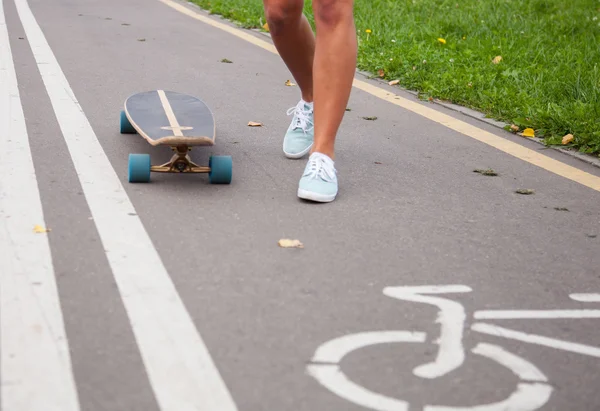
(35, 369)
(181, 371)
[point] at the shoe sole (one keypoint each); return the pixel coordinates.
(298, 155)
(320, 198)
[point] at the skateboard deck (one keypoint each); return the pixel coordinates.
(178, 120)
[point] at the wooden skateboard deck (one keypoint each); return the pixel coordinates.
(179, 121)
(167, 117)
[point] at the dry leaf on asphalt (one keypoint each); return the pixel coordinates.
(561, 208)
(488, 172)
(370, 118)
(287, 243)
(39, 229)
(524, 191)
(289, 83)
(381, 73)
(254, 124)
(567, 139)
(514, 128)
(497, 59)
(394, 82)
(226, 61)
(266, 26)
(528, 132)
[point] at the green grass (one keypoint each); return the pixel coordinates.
(548, 78)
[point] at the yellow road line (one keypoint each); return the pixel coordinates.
(502, 144)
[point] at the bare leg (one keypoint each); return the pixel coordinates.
(294, 40)
(333, 70)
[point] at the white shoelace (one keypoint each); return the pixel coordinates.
(301, 117)
(319, 167)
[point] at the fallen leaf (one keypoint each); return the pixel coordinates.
(567, 139)
(39, 229)
(266, 26)
(289, 83)
(441, 40)
(430, 99)
(226, 61)
(125, 24)
(371, 118)
(497, 59)
(561, 208)
(487, 172)
(377, 162)
(348, 109)
(254, 124)
(514, 128)
(528, 132)
(286, 243)
(381, 73)
(592, 235)
(141, 39)
(524, 191)
(394, 82)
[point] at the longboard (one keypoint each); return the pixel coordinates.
(178, 120)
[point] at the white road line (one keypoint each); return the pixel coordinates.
(35, 367)
(539, 314)
(586, 297)
(491, 329)
(181, 371)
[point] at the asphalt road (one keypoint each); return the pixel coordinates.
(175, 296)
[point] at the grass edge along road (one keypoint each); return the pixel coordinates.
(529, 63)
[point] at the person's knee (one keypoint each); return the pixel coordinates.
(282, 13)
(329, 13)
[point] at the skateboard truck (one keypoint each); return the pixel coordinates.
(180, 163)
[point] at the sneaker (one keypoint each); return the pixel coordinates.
(300, 135)
(319, 181)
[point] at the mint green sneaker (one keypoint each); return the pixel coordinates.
(300, 134)
(319, 181)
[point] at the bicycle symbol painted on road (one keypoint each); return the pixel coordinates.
(532, 391)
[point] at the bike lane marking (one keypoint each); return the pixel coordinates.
(509, 147)
(35, 369)
(451, 318)
(179, 366)
(497, 331)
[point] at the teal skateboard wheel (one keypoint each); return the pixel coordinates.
(139, 168)
(220, 169)
(126, 127)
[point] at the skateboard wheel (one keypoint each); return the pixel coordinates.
(139, 168)
(220, 169)
(126, 127)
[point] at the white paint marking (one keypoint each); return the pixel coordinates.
(586, 297)
(181, 371)
(331, 377)
(35, 369)
(334, 350)
(539, 314)
(451, 318)
(429, 289)
(528, 396)
(519, 366)
(536, 339)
